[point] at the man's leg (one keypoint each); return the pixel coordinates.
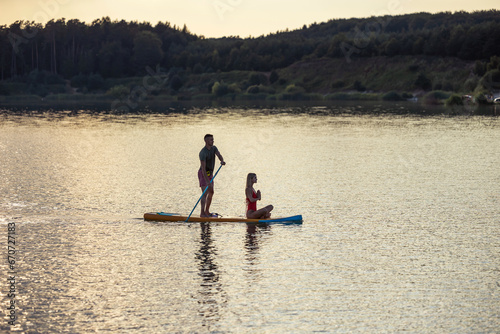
(209, 195)
(202, 202)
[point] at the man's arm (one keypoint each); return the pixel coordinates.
(220, 157)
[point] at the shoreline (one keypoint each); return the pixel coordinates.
(102, 103)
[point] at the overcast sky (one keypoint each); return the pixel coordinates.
(217, 18)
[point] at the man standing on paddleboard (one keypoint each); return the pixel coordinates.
(206, 173)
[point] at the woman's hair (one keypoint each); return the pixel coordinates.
(250, 176)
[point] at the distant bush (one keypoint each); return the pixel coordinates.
(79, 81)
(95, 82)
(435, 97)
(253, 89)
(44, 90)
(40, 90)
(220, 89)
(176, 82)
(262, 89)
(439, 94)
(37, 77)
(293, 89)
(234, 88)
(53, 79)
(454, 100)
(119, 91)
(392, 96)
(252, 97)
(480, 98)
(257, 79)
(315, 97)
(352, 96)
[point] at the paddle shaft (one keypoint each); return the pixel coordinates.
(199, 199)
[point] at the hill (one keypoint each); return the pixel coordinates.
(457, 52)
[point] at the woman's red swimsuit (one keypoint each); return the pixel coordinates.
(252, 205)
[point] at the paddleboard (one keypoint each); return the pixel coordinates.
(174, 217)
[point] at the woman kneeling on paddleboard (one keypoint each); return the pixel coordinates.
(252, 198)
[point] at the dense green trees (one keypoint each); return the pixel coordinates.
(111, 49)
(147, 50)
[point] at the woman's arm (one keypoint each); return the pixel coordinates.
(249, 194)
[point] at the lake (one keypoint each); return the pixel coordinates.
(401, 229)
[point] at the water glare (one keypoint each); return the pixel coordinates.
(401, 222)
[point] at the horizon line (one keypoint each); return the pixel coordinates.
(287, 29)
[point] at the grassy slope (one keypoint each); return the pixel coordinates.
(320, 76)
(326, 75)
(379, 74)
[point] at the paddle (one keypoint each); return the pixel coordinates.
(199, 199)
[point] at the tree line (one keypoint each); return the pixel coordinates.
(113, 49)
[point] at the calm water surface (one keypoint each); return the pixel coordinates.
(401, 228)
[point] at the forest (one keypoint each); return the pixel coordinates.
(100, 56)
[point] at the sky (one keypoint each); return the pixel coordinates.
(218, 18)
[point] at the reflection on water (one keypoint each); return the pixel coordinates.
(253, 240)
(400, 227)
(212, 297)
